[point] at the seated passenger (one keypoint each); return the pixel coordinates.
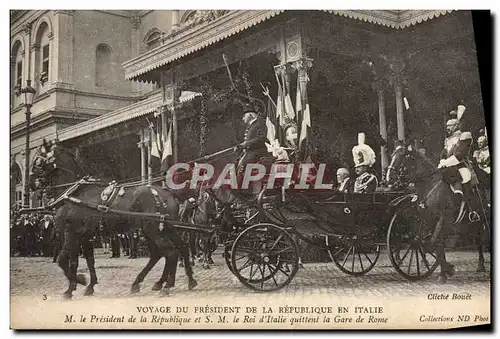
(364, 158)
(345, 184)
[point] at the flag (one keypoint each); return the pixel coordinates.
(279, 105)
(289, 107)
(306, 122)
(168, 145)
(156, 144)
(298, 99)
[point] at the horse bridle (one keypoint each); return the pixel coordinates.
(412, 153)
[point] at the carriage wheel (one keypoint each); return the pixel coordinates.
(356, 258)
(265, 257)
(408, 242)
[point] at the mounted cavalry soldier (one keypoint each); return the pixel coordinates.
(482, 154)
(455, 158)
(364, 158)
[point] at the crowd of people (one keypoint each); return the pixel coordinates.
(35, 234)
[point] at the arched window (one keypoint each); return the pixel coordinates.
(16, 183)
(16, 175)
(153, 38)
(102, 64)
(42, 56)
(17, 73)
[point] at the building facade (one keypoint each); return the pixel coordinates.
(389, 74)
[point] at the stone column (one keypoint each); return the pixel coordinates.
(147, 142)
(136, 41)
(378, 86)
(397, 79)
(62, 47)
(27, 51)
(175, 20)
(142, 147)
(398, 88)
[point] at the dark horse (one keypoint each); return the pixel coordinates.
(439, 201)
(77, 214)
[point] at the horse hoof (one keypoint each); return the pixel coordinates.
(442, 279)
(81, 279)
(164, 292)
(481, 269)
(192, 284)
(89, 291)
(449, 269)
(67, 295)
(135, 288)
(157, 286)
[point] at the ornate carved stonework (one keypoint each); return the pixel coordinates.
(394, 19)
(35, 47)
(293, 51)
(187, 42)
(50, 36)
(135, 21)
(202, 16)
(302, 66)
(14, 14)
(397, 76)
(27, 28)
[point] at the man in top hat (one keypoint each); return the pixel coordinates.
(364, 158)
(345, 184)
(454, 156)
(253, 146)
(482, 154)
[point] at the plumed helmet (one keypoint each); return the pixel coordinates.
(451, 122)
(460, 111)
(362, 154)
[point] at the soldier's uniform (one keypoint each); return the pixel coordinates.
(455, 160)
(364, 156)
(455, 154)
(134, 240)
(115, 245)
(482, 155)
(253, 145)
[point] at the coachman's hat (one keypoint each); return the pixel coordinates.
(249, 108)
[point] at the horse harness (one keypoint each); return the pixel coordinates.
(108, 195)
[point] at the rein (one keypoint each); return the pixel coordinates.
(428, 162)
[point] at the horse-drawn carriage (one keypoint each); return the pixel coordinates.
(351, 227)
(261, 248)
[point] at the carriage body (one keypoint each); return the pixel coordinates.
(352, 227)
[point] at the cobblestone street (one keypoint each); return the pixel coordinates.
(37, 276)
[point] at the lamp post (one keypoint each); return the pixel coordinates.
(29, 93)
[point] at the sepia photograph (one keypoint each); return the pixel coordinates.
(275, 169)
